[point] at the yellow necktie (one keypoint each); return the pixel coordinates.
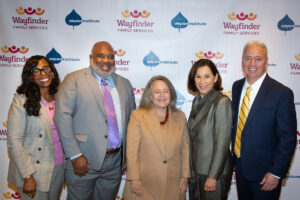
(241, 123)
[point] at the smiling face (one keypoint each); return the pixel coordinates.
(254, 63)
(102, 59)
(205, 80)
(160, 94)
(42, 74)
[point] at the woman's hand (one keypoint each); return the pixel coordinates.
(183, 185)
(210, 185)
(29, 186)
(136, 187)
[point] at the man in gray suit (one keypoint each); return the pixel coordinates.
(93, 106)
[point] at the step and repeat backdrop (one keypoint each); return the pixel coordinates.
(150, 38)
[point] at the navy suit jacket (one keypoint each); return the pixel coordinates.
(269, 136)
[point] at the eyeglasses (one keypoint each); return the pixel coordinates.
(37, 71)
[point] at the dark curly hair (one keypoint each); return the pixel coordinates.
(201, 63)
(31, 89)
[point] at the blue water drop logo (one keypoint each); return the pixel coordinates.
(73, 19)
(179, 21)
(54, 56)
(180, 99)
(286, 24)
(151, 60)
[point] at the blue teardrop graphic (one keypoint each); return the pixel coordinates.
(151, 60)
(180, 99)
(179, 21)
(286, 24)
(54, 56)
(73, 19)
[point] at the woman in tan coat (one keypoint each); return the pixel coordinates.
(157, 146)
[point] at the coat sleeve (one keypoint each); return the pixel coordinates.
(221, 137)
(64, 110)
(132, 147)
(185, 151)
(16, 128)
(286, 131)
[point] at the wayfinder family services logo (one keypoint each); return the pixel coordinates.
(295, 66)
(56, 57)
(30, 18)
(135, 21)
(180, 22)
(74, 19)
(13, 56)
(286, 24)
(216, 57)
(241, 24)
(152, 60)
(120, 61)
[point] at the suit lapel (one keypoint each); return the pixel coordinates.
(173, 133)
(121, 92)
(236, 100)
(44, 116)
(259, 99)
(92, 82)
(154, 126)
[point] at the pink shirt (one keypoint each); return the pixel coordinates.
(58, 151)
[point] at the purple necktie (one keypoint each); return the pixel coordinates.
(113, 133)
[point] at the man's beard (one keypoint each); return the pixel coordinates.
(100, 73)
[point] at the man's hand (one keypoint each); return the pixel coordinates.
(210, 185)
(137, 187)
(29, 187)
(80, 165)
(183, 185)
(269, 182)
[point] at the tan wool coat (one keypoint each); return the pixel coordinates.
(158, 161)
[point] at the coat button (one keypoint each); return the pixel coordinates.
(164, 161)
(105, 136)
(37, 162)
(40, 135)
(39, 149)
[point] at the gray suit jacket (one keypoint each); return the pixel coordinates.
(30, 145)
(210, 124)
(80, 115)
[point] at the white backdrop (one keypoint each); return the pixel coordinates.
(150, 38)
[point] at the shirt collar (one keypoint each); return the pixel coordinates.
(256, 85)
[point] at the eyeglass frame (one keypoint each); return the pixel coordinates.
(41, 70)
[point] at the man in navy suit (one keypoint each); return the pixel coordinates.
(268, 135)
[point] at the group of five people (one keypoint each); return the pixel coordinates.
(86, 131)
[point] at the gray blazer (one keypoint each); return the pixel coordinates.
(210, 124)
(80, 115)
(30, 145)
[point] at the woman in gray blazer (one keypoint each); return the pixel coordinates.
(36, 165)
(209, 124)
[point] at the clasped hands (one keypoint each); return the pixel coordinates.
(80, 165)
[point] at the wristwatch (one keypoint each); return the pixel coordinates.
(28, 177)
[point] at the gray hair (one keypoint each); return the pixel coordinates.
(257, 43)
(146, 100)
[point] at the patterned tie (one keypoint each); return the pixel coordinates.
(113, 133)
(241, 123)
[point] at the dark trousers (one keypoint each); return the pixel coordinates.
(251, 190)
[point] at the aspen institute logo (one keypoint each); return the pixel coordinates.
(286, 24)
(181, 99)
(295, 66)
(216, 57)
(74, 19)
(152, 60)
(56, 57)
(30, 18)
(241, 24)
(180, 22)
(135, 21)
(120, 61)
(13, 56)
